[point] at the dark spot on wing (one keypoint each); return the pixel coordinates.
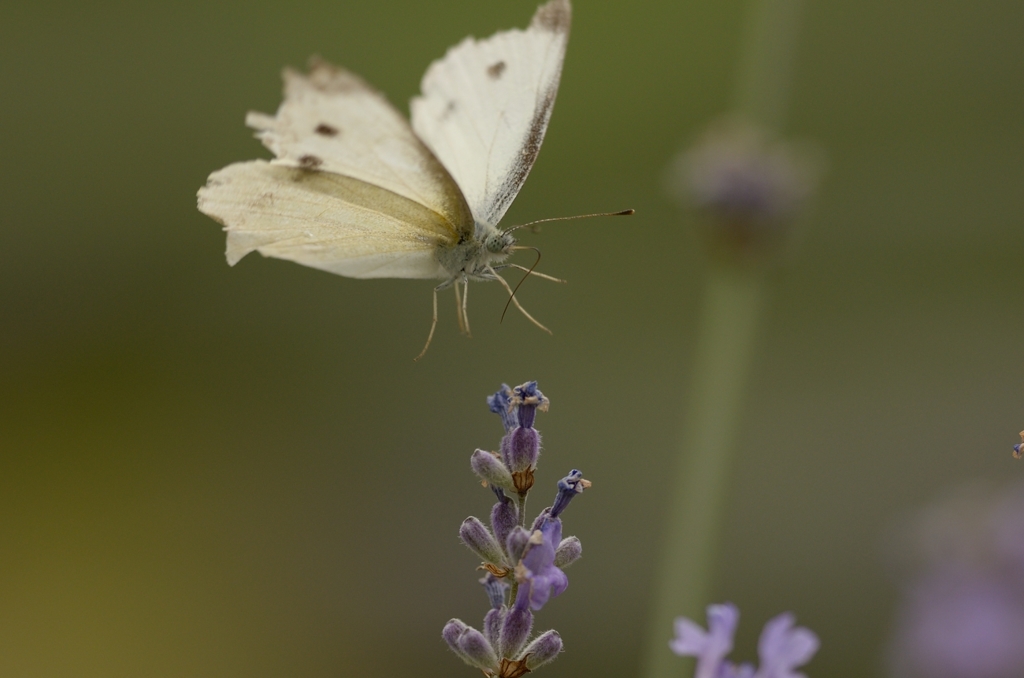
(325, 130)
(310, 162)
(496, 69)
(448, 110)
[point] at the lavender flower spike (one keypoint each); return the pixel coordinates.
(709, 647)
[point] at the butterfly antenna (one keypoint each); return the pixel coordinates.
(512, 296)
(623, 213)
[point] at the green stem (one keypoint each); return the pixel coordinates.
(732, 308)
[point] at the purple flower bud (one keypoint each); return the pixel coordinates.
(543, 649)
(568, 487)
(520, 449)
(501, 404)
(516, 543)
(491, 470)
(453, 630)
(527, 398)
(495, 589)
(1017, 451)
(480, 540)
(504, 517)
(568, 552)
(477, 650)
(518, 623)
(493, 621)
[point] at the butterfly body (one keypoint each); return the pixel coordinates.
(355, 190)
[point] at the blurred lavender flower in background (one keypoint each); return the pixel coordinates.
(748, 186)
(962, 610)
(782, 647)
(524, 567)
(1017, 449)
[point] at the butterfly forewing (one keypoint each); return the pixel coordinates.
(485, 107)
(332, 121)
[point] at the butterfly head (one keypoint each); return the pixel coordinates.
(499, 242)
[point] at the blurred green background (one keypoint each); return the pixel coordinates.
(208, 471)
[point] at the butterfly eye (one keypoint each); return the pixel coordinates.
(500, 242)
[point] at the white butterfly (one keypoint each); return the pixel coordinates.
(356, 191)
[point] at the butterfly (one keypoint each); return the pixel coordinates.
(354, 189)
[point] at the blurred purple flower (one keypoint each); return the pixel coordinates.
(781, 649)
(748, 184)
(962, 613)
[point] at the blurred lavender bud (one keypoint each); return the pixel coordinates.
(568, 552)
(516, 543)
(962, 609)
(477, 650)
(501, 404)
(516, 628)
(504, 517)
(494, 620)
(480, 540)
(495, 589)
(748, 185)
(490, 469)
(542, 649)
(1017, 448)
(568, 487)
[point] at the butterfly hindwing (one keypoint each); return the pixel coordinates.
(485, 107)
(324, 220)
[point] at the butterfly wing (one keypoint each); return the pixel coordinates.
(485, 107)
(324, 220)
(352, 190)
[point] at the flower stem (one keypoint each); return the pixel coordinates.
(732, 307)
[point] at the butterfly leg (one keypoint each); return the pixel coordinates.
(458, 310)
(515, 301)
(433, 323)
(465, 300)
(529, 272)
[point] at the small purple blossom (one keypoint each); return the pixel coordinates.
(781, 649)
(568, 487)
(536, 572)
(1017, 449)
(501, 404)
